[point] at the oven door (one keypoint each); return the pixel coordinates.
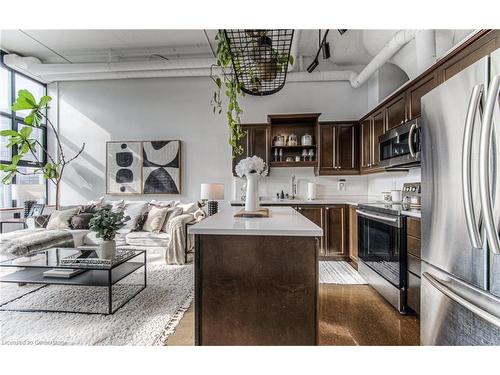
(381, 238)
(400, 146)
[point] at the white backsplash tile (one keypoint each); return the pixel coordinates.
(327, 186)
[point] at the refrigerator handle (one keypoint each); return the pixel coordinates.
(482, 307)
(410, 140)
(484, 166)
(472, 226)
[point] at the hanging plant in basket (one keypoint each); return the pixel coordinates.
(248, 61)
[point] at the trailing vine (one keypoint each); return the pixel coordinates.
(228, 82)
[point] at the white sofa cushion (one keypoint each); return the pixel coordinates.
(91, 239)
(135, 210)
(187, 208)
(147, 239)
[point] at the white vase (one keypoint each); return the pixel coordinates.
(107, 249)
(252, 197)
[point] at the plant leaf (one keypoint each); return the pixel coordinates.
(8, 133)
(44, 101)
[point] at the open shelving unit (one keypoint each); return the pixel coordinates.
(298, 124)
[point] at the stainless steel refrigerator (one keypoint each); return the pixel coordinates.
(460, 291)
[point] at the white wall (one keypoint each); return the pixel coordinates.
(379, 182)
(177, 108)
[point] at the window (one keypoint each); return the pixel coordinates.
(10, 83)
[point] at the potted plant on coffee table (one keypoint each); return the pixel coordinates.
(106, 223)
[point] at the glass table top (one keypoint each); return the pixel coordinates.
(72, 258)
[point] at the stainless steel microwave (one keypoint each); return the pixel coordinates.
(400, 147)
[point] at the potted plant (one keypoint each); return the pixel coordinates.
(252, 168)
(26, 145)
(106, 223)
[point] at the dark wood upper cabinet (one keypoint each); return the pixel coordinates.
(347, 148)
(335, 228)
(415, 93)
(326, 146)
(396, 112)
(338, 152)
(255, 142)
(366, 143)
(378, 128)
(468, 56)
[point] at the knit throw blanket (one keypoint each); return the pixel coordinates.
(28, 241)
(178, 237)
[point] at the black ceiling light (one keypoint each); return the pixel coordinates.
(323, 46)
(260, 58)
(342, 31)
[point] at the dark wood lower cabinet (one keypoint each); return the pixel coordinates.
(335, 231)
(333, 220)
(413, 262)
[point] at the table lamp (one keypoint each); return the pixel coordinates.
(212, 193)
(30, 193)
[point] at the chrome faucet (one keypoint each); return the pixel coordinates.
(294, 186)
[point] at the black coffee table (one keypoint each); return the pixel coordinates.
(31, 271)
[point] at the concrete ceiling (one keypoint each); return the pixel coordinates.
(78, 46)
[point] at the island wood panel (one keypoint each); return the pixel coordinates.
(256, 290)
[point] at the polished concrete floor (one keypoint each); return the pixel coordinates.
(348, 315)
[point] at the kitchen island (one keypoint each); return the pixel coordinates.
(256, 279)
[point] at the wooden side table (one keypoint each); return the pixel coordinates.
(21, 221)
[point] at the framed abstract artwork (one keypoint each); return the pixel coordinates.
(124, 167)
(161, 167)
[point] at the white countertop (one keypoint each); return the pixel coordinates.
(412, 213)
(283, 221)
(352, 200)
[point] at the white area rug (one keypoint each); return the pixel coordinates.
(148, 319)
(332, 272)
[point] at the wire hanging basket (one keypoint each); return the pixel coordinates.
(260, 58)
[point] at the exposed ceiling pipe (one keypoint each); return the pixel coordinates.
(36, 67)
(192, 67)
(400, 39)
(294, 50)
(425, 48)
(324, 76)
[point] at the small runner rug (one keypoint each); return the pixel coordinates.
(333, 272)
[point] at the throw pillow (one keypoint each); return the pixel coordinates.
(156, 218)
(135, 210)
(61, 219)
(154, 202)
(171, 213)
(188, 208)
(87, 209)
(116, 205)
(81, 221)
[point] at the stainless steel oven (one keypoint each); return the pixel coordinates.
(382, 251)
(400, 147)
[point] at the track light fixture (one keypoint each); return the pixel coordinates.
(342, 31)
(323, 45)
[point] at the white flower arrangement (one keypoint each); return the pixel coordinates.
(252, 164)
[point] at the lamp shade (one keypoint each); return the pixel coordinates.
(212, 191)
(27, 191)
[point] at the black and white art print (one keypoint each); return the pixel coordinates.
(161, 167)
(124, 167)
